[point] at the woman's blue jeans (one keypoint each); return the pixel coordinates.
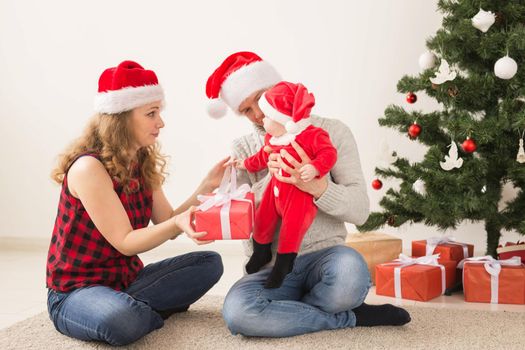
(318, 294)
(103, 314)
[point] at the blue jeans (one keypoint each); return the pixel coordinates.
(103, 314)
(318, 294)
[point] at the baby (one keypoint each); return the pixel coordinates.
(286, 107)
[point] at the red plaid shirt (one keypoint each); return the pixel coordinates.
(80, 256)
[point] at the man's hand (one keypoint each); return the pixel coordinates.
(315, 187)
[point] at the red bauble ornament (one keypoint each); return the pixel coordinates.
(411, 97)
(414, 130)
(377, 184)
(469, 145)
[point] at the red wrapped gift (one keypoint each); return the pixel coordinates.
(421, 278)
(446, 247)
(512, 249)
(487, 280)
(227, 214)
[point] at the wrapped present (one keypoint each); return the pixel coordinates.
(446, 247)
(375, 247)
(487, 280)
(227, 214)
(421, 278)
(512, 249)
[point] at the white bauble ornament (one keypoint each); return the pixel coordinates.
(483, 20)
(484, 189)
(419, 187)
(505, 68)
(427, 60)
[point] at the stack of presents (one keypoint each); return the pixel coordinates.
(439, 265)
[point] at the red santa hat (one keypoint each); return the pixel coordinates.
(125, 87)
(288, 104)
(240, 75)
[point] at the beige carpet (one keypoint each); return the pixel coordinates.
(203, 328)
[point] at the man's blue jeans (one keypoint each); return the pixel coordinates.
(318, 294)
(118, 318)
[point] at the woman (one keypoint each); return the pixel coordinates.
(111, 181)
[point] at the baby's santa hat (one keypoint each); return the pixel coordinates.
(240, 75)
(287, 104)
(125, 87)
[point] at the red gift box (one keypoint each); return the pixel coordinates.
(445, 247)
(240, 214)
(421, 280)
(512, 249)
(487, 280)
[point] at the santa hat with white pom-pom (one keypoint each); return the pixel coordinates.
(240, 75)
(288, 104)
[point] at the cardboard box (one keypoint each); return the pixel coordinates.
(375, 247)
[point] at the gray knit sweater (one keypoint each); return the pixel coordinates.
(345, 199)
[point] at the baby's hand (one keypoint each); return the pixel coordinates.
(308, 172)
(239, 164)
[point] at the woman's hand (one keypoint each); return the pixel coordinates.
(315, 187)
(184, 222)
(214, 176)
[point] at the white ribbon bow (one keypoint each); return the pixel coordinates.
(226, 193)
(405, 261)
(493, 267)
(433, 242)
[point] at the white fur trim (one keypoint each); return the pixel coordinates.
(272, 113)
(126, 99)
(247, 80)
(217, 108)
(291, 127)
(287, 138)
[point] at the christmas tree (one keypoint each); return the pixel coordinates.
(474, 69)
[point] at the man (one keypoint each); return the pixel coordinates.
(329, 281)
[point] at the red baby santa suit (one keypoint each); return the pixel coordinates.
(289, 104)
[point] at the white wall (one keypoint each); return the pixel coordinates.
(350, 54)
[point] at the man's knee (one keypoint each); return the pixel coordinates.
(232, 311)
(348, 279)
(240, 313)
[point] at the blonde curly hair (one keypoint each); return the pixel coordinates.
(109, 136)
